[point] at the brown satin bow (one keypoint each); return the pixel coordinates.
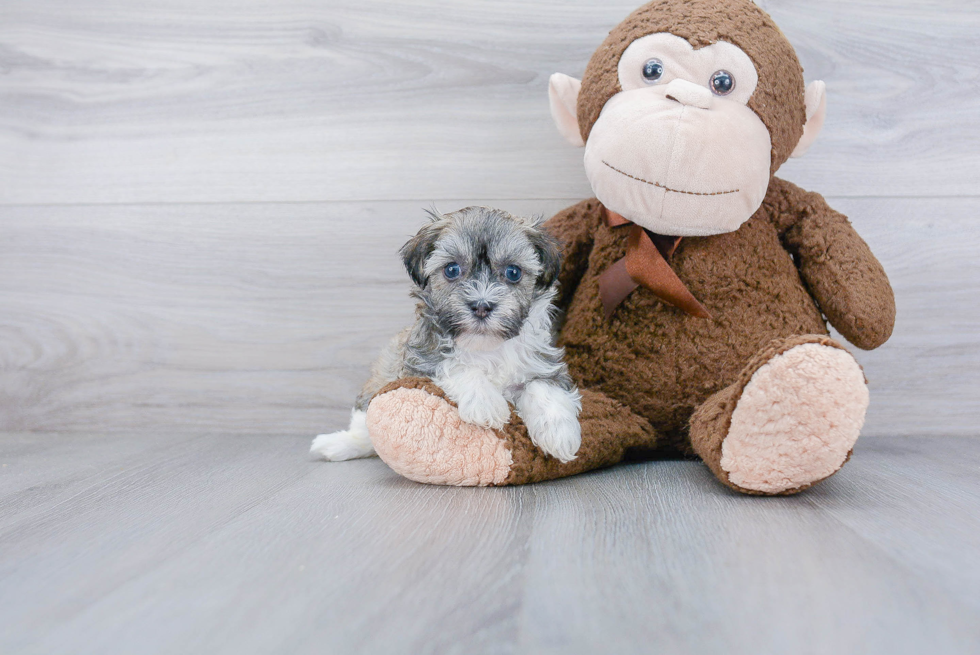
(645, 263)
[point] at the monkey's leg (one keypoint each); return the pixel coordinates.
(788, 422)
(417, 431)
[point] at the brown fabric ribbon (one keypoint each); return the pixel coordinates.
(645, 263)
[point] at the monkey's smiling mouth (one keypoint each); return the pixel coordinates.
(667, 188)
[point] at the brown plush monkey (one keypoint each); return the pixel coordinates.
(697, 286)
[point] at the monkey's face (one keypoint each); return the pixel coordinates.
(677, 150)
(683, 140)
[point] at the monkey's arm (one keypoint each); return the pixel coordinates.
(844, 277)
(575, 227)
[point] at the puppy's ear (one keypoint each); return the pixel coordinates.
(549, 253)
(416, 252)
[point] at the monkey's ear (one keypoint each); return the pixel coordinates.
(563, 99)
(416, 252)
(549, 252)
(816, 111)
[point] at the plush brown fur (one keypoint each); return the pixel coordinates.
(768, 285)
(663, 363)
(613, 432)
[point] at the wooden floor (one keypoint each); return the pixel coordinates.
(200, 206)
(217, 544)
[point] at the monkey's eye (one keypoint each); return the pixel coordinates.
(452, 271)
(653, 70)
(513, 273)
(722, 83)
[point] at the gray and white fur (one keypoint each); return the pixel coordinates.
(484, 332)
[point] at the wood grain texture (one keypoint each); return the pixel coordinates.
(196, 317)
(303, 100)
(227, 544)
(265, 318)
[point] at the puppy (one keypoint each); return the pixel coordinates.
(485, 281)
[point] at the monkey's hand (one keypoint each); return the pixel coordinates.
(551, 416)
(844, 277)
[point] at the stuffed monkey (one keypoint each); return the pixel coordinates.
(696, 285)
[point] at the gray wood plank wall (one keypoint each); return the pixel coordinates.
(200, 202)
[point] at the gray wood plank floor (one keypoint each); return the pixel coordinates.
(218, 544)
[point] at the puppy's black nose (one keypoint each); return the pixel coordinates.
(481, 309)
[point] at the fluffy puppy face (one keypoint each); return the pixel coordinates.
(479, 271)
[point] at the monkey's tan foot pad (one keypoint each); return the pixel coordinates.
(796, 418)
(417, 431)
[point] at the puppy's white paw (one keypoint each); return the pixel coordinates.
(551, 416)
(351, 443)
(488, 409)
(559, 436)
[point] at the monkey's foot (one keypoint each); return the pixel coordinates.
(417, 431)
(790, 420)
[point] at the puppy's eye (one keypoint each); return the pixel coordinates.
(653, 70)
(452, 271)
(722, 83)
(513, 273)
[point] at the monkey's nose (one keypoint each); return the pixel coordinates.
(481, 309)
(689, 93)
